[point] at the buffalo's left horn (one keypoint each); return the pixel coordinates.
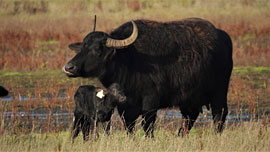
(123, 43)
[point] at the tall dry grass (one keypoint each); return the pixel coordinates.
(248, 136)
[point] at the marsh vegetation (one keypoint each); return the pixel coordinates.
(37, 113)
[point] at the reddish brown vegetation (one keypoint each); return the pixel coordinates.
(20, 49)
(251, 44)
(134, 5)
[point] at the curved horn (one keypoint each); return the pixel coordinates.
(123, 43)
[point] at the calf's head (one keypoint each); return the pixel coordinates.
(93, 53)
(112, 96)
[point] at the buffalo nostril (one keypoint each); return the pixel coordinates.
(70, 67)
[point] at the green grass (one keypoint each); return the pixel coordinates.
(46, 77)
(45, 73)
(245, 137)
(252, 70)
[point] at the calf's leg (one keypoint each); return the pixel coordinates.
(85, 128)
(76, 127)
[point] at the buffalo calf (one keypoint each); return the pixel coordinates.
(91, 107)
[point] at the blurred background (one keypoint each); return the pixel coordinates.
(34, 35)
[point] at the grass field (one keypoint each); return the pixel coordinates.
(248, 136)
(34, 36)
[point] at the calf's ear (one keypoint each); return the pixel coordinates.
(104, 90)
(75, 46)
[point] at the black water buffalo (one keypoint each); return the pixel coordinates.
(186, 63)
(3, 91)
(93, 105)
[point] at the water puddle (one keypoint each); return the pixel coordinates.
(163, 114)
(57, 116)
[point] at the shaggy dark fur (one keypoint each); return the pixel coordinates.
(184, 63)
(90, 109)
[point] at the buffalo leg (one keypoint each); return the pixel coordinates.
(130, 126)
(189, 120)
(129, 114)
(149, 107)
(219, 100)
(219, 110)
(130, 117)
(148, 122)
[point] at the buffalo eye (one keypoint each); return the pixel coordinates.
(95, 50)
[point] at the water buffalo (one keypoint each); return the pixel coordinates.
(93, 105)
(3, 91)
(185, 64)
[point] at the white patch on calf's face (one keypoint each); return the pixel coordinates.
(73, 118)
(100, 94)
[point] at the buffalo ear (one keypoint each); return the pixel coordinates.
(75, 46)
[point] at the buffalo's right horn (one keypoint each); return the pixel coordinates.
(123, 43)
